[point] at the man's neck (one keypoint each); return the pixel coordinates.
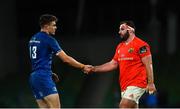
(44, 30)
(131, 37)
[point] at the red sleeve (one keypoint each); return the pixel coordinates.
(144, 50)
(116, 54)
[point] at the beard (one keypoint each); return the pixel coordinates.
(125, 37)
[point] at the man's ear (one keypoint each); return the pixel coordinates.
(129, 30)
(46, 26)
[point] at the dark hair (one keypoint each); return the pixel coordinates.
(129, 23)
(46, 19)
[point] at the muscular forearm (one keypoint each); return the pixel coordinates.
(149, 68)
(105, 67)
(150, 76)
(150, 86)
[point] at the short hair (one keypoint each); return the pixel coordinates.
(129, 23)
(46, 19)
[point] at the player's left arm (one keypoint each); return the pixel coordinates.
(147, 61)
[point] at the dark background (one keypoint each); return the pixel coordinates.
(88, 31)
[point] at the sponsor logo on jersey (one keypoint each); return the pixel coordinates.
(143, 50)
(34, 41)
(126, 59)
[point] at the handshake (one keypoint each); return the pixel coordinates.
(88, 69)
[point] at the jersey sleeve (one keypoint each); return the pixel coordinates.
(116, 54)
(54, 45)
(144, 50)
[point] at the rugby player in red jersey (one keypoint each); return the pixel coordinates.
(134, 59)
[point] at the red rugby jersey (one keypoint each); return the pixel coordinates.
(132, 70)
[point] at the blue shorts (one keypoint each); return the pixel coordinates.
(42, 84)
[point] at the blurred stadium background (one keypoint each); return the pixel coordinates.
(87, 31)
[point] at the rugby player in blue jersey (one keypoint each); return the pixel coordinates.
(41, 47)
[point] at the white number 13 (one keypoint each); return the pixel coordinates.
(33, 52)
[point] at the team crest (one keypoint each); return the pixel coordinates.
(131, 50)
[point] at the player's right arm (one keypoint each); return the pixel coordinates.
(69, 60)
(109, 66)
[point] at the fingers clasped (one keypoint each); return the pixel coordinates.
(88, 69)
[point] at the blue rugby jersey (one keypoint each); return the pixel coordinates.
(41, 48)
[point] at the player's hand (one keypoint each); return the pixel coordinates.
(87, 69)
(55, 77)
(151, 89)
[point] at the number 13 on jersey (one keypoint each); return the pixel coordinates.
(33, 51)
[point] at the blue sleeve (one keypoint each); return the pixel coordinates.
(54, 45)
